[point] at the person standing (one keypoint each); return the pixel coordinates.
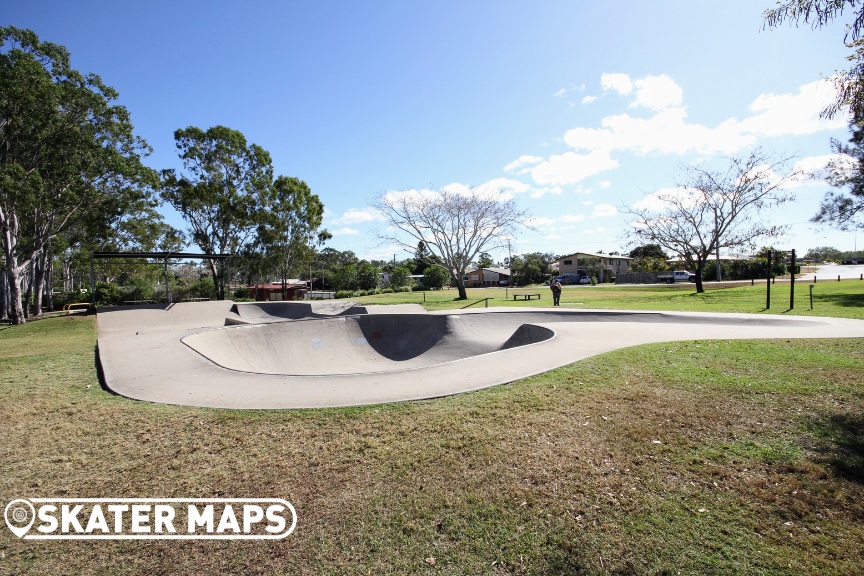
(556, 292)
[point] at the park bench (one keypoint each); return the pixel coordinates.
(526, 296)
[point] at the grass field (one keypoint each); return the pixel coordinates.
(830, 298)
(696, 457)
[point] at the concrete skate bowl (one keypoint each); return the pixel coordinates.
(361, 344)
(185, 354)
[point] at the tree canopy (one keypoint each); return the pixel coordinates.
(224, 183)
(67, 154)
(845, 208)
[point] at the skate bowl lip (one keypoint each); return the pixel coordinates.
(141, 356)
(540, 334)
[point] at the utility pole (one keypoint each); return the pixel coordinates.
(717, 240)
(509, 264)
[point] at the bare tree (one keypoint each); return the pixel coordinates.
(709, 211)
(455, 225)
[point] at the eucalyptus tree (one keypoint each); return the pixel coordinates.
(65, 149)
(289, 226)
(220, 191)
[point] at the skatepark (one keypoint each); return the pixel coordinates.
(276, 355)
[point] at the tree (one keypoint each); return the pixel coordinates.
(423, 258)
(531, 268)
(368, 276)
(65, 150)
(455, 225)
(400, 277)
(288, 226)
(849, 83)
(435, 277)
(824, 254)
(648, 258)
(226, 181)
(648, 251)
(710, 211)
(485, 261)
(845, 209)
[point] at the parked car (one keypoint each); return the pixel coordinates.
(585, 280)
(568, 278)
(677, 276)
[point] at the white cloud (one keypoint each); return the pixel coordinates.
(355, 216)
(345, 232)
(659, 200)
(570, 167)
(604, 184)
(604, 211)
(552, 237)
(665, 132)
(782, 114)
(620, 83)
(560, 92)
(657, 93)
(589, 99)
(523, 163)
(503, 188)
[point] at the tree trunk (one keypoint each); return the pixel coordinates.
(699, 269)
(13, 277)
(460, 283)
(38, 284)
(49, 284)
(4, 296)
(220, 290)
(27, 288)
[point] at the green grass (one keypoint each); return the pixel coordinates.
(697, 457)
(830, 298)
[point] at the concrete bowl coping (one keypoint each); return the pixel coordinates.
(221, 355)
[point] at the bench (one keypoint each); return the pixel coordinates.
(526, 296)
(196, 299)
(133, 302)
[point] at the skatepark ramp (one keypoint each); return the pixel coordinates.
(358, 344)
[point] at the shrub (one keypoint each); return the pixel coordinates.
(344, 294)
(387, 291)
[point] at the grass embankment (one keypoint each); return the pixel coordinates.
(693, 457)
(830, 298)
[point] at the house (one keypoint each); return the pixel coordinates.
(487, 277)
(610, 265)
(273, 291)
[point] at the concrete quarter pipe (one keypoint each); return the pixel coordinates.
(306, 355)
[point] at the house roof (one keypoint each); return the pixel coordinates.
(500, 271)
(590, 255)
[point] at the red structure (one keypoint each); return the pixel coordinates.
(273, 292)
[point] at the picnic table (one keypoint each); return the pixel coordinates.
(526, 296)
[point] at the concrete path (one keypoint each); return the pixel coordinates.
(185, 354)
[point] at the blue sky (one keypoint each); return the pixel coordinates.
(575, 109)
